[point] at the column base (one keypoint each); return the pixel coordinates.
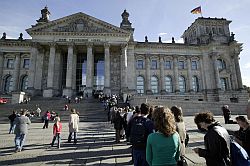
(48, 92)
(163, 92)
(107, 91)
(67, 92)
(149, 92)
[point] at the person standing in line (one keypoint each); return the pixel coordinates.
(216, 140)
(138, 130)
(163, 146)
(243, 136)
(21, 130)
(118, 121)
(12, 117)
(180, 127)
(57, 130)
(46, 118)
(73, 125)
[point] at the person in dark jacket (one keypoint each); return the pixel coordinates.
(216, 140)
(118, 121)
(12, 118)
(226, 114)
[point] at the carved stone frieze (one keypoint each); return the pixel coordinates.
(81, 25)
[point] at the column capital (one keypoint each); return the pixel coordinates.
(70, 44)
(106, 45)
(90, 44)
(124, 45)
(52, 44)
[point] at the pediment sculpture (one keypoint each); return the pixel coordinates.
(81, 25)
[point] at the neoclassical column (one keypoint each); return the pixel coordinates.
(107, 69)
(39, 70)
(176, 75)
(74, 71)
(216, 71)
(32, 68)
(234, 80)
(67, 91)
(124, 66)
(16, 73)
(202, 83)
(237, 69)
(90, 69)
(49, 91)
(1, 70)
(148, 78)
(189, 75)
(162, 74)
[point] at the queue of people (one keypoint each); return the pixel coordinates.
(157, 134)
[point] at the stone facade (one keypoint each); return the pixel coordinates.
(81, 53)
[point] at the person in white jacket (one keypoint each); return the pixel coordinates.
(73, 125)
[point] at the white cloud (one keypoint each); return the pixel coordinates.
(162, 34)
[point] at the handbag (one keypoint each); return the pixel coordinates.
(182, 161)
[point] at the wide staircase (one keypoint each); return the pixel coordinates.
(91, 110)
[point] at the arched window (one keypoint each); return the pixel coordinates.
(195, 84)
(24, 83)
(182, 84)
(221, 64)
(154, 84)
(140, 85)
(223, 84)
(8, 84)
(168, 84)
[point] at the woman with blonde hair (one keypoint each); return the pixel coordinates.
(180, 126)
(163, 146)
(73, 125)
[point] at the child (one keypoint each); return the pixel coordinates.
(57, 129)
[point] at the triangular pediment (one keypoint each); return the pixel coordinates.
(78, 23)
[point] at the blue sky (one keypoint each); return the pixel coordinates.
(168, 18)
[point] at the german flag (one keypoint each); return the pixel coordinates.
(196, 10)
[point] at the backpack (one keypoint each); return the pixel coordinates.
(138, 131)
(239, 156)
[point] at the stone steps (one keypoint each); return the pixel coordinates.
(90, 110)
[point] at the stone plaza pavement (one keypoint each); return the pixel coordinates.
(95, 146)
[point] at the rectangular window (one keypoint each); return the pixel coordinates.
(26, 63)
(168, 65)
(194, 65)
(181, 65)
(154, 64)
(10, 63)
(139, 64)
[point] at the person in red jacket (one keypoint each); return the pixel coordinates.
(57, 129)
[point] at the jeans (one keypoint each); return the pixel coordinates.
(19, 140)
(12, 127)
(70, 137)
(58, 137)
(139, 157)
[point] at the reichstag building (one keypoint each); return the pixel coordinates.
(80, 53)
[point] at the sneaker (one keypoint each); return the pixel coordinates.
(17, 150)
